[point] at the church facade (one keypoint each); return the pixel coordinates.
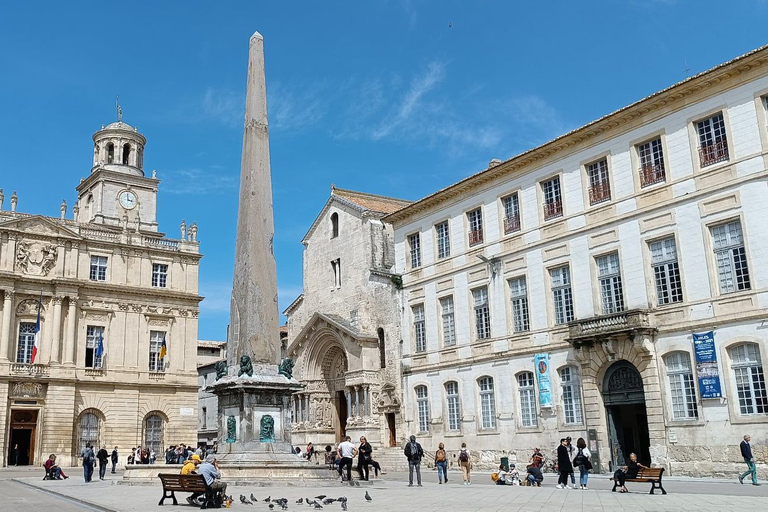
(99, 313)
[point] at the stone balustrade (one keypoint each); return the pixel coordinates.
(581, 331)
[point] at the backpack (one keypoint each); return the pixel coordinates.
(440, 456)
(463, 456)
(579, 459)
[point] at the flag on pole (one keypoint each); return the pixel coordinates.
(37, 330)
(100, 349)
(163, 350)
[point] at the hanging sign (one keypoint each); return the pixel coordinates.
(706, 365)
(542, 377)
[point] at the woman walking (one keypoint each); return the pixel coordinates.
(465, 462)
(441, 461)
(582, 461)
(563, 465)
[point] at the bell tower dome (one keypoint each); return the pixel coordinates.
(119, 147)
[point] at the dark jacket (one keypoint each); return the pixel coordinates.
(536, 472)
(414, 454)
(746, 450)
(564, 460)
(364, 452)
(103, 456)
(114, 456)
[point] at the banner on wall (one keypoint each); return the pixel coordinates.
(542, 377)
(706, 365)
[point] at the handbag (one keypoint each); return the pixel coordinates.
(587, 464)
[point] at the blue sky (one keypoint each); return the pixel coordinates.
(399, 98)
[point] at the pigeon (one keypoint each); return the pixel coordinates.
(368, 496)
(300, 501)
(343, 505)
(253, 498)
(343, 499)
(268, 499)
(271, 506)
(245, 500)
(317, 505)
(284, 506)
(321, 496)
(328, 501)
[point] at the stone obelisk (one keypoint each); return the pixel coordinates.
(253, 323)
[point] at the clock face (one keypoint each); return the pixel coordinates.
(127, 199)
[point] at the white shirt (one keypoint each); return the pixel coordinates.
(347, 449)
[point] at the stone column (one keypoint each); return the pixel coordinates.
(301, 407)
(69, 349)
(5, 334)
(366, 412)
(307, 408)
(358, 403)
(56, 339)
(349, 400)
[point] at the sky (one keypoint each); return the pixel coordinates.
(399, 97)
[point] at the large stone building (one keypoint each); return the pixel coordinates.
(111, 293)
(610, 284)
(343, 331)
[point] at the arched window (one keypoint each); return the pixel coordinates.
(681, 386)
(569, 385)
(750, 381)
(89, 430)
(382, 352)
(487, 403)
(334, 225)
(126, 154)
(454, 405)
(110, 153)
(153, 433)
(527, 399)
(422, 405)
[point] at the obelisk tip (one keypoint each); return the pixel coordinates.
(257, 37)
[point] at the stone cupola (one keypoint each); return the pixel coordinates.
(119, 147)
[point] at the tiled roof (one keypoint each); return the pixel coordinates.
(381, 204)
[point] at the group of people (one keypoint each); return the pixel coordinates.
(569, 458)
(415, 453)
(90, 458)
(209, 469)
(344, 455)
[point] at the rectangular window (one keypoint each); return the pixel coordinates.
(487, 403)
(682, 386)
(156, 339)
(336, 268)
(454, 411)
(731, 257)
(569, 384)
(482, 313)
(204, 418)
(511, 213)
(519, 293)
(651, 157)
(26, 342)
(98, 268)
(527, 399)
(443, 240)
(713, 145)
(553, 201)
(666, 271)
(475, 218)
(94, 334)
(414, 242)
(599, 186)
(562, 297)
(449, 321)
(609, 274)
(422, 404)
(419, 331)
(159, 275)
(750, 380)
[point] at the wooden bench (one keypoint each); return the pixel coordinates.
(652, 475)
(173, 482)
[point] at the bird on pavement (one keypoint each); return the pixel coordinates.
(328, 501)
(268, 498)
(245, 500)
(320, 496)
(253, 498)
(343, 505)
(368, 496)
(317, 505)
(343, 499)
(300, 501)
(271, 506)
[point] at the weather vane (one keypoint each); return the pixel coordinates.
(119, 108)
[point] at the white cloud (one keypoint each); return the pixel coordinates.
(199, 181)
(223, 105)
(292, 107)
(217, 296)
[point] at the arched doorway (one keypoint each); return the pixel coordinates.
(626, 416)
(333, 371)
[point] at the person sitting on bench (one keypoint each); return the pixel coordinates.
(627, 472)
(53, 470)
(210, 471)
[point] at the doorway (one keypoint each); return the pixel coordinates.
(21, 448)
(341, 413)
(391, 426)
(626, 416)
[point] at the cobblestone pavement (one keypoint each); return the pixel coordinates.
(24, 490)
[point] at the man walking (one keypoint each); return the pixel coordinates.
(746, 452)
(103, 457)
(347, 452)
(414, 453)
(88, 461)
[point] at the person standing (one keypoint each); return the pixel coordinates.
(571, 455)
(441, 461)
(465, 462)
(114, 459)
(746, 452)
(582, 461)
(103, 457)
(364, 458)
(347, 452)
(16, 454)
(563, 464)
(414, 453)
(88, 462)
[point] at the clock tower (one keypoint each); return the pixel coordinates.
(117, 193)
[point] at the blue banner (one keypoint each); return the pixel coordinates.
(706, 365)
(542, 377)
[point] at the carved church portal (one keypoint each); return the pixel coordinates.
(334, 369)
(341, 414)
(624, 399)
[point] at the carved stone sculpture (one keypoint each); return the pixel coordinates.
(245, 366)
(267, 432)
(221, 369)
(286, 368)
(231, 429)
